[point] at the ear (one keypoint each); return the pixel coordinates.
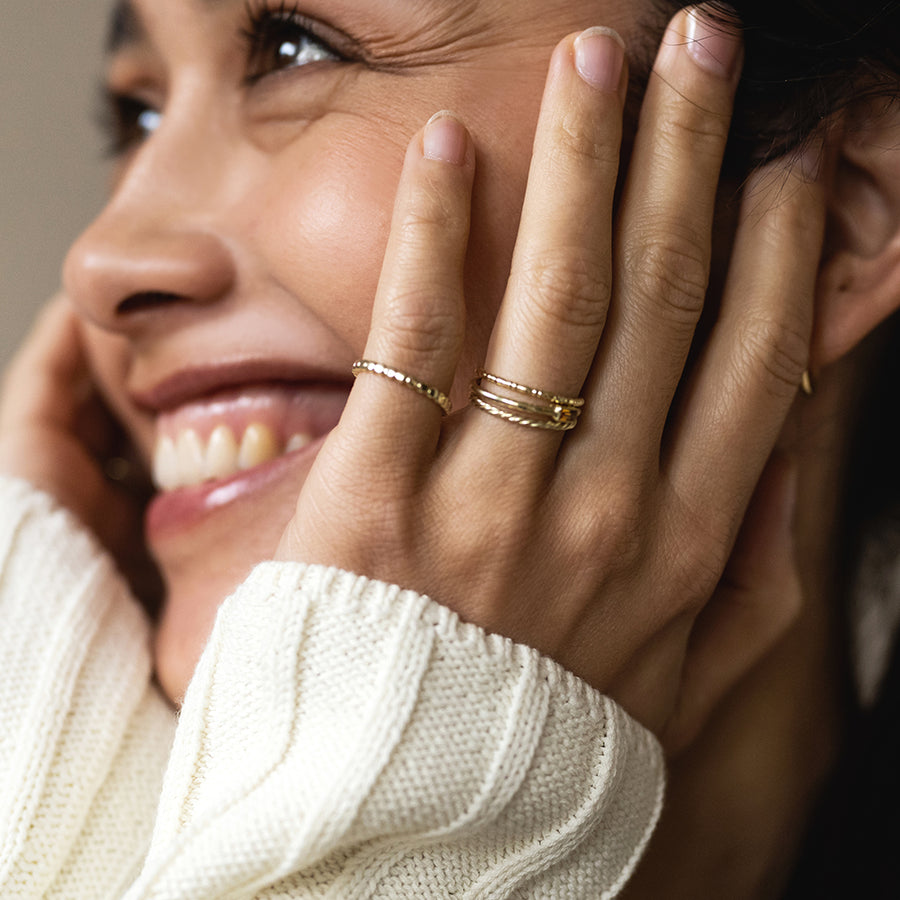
(859, 282)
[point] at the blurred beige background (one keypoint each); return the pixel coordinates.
(51, 168)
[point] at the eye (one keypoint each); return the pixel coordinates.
(282, 38)
(126, 121)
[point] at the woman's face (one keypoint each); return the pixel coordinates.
(226, 288)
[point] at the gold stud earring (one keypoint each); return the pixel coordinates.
(806, 383)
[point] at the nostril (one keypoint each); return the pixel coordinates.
(127, 271)
(146, 300)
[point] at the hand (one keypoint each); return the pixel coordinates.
(757, 600)
(55, 432)
(599, 548)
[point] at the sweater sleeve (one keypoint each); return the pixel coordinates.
(84, 737)
(345, 738)
(341, 738)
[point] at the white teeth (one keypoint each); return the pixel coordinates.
(221, 454)
(298, 442)
(165, 465)
(186, 460)
(190, 457)
(258, 446)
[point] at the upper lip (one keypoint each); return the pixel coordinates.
(185, 385)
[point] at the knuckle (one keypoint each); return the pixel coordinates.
(689, 571)
(695, 550)
(614, 528)
(785, 222)
(430, 207)
(777, 350)
(575, 141)
(696, 569)
(673, 267)
(415, 327)
(691, 125)
(571, 288)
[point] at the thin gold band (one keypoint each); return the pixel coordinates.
(554, 399)
(552, 415)
(426, 390)
(545, 424)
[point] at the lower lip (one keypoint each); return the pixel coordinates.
(174, 512)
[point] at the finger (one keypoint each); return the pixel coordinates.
(47, 380)
(748, 375)
(419, 311)
(756, 602)
(48, 385)
(664, 232)
(555, 307)
(51, 428)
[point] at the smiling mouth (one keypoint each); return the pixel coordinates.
(237, 430)
(187, 460)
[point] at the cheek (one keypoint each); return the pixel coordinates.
(324, 230)
(500, 183)
(321, 216)
(109, 357)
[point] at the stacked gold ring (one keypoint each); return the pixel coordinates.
(539, 409)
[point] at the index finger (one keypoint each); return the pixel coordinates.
(418, 319)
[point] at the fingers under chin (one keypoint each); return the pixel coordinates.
(48, 377)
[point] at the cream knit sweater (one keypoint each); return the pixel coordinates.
(341, 738)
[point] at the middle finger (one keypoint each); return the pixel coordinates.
(555, 305)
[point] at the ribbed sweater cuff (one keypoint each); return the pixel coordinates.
(347, 735)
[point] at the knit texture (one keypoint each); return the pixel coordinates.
(341, 738)
(84, 738)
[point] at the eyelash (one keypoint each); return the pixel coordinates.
(121, 113)
(263, 23)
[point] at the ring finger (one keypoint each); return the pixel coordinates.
(664, 233)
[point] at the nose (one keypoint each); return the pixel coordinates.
(158, 245)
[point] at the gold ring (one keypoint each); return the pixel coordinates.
(554, 399)
(433, 394)
(557, 413)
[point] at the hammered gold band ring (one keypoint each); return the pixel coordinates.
(433, 394)
(532, 408)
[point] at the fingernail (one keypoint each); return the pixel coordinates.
(599, 58)
(713, 43)
(445, 139)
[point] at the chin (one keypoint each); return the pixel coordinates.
(206, 539)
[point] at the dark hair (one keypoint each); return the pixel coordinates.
(805, 60)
